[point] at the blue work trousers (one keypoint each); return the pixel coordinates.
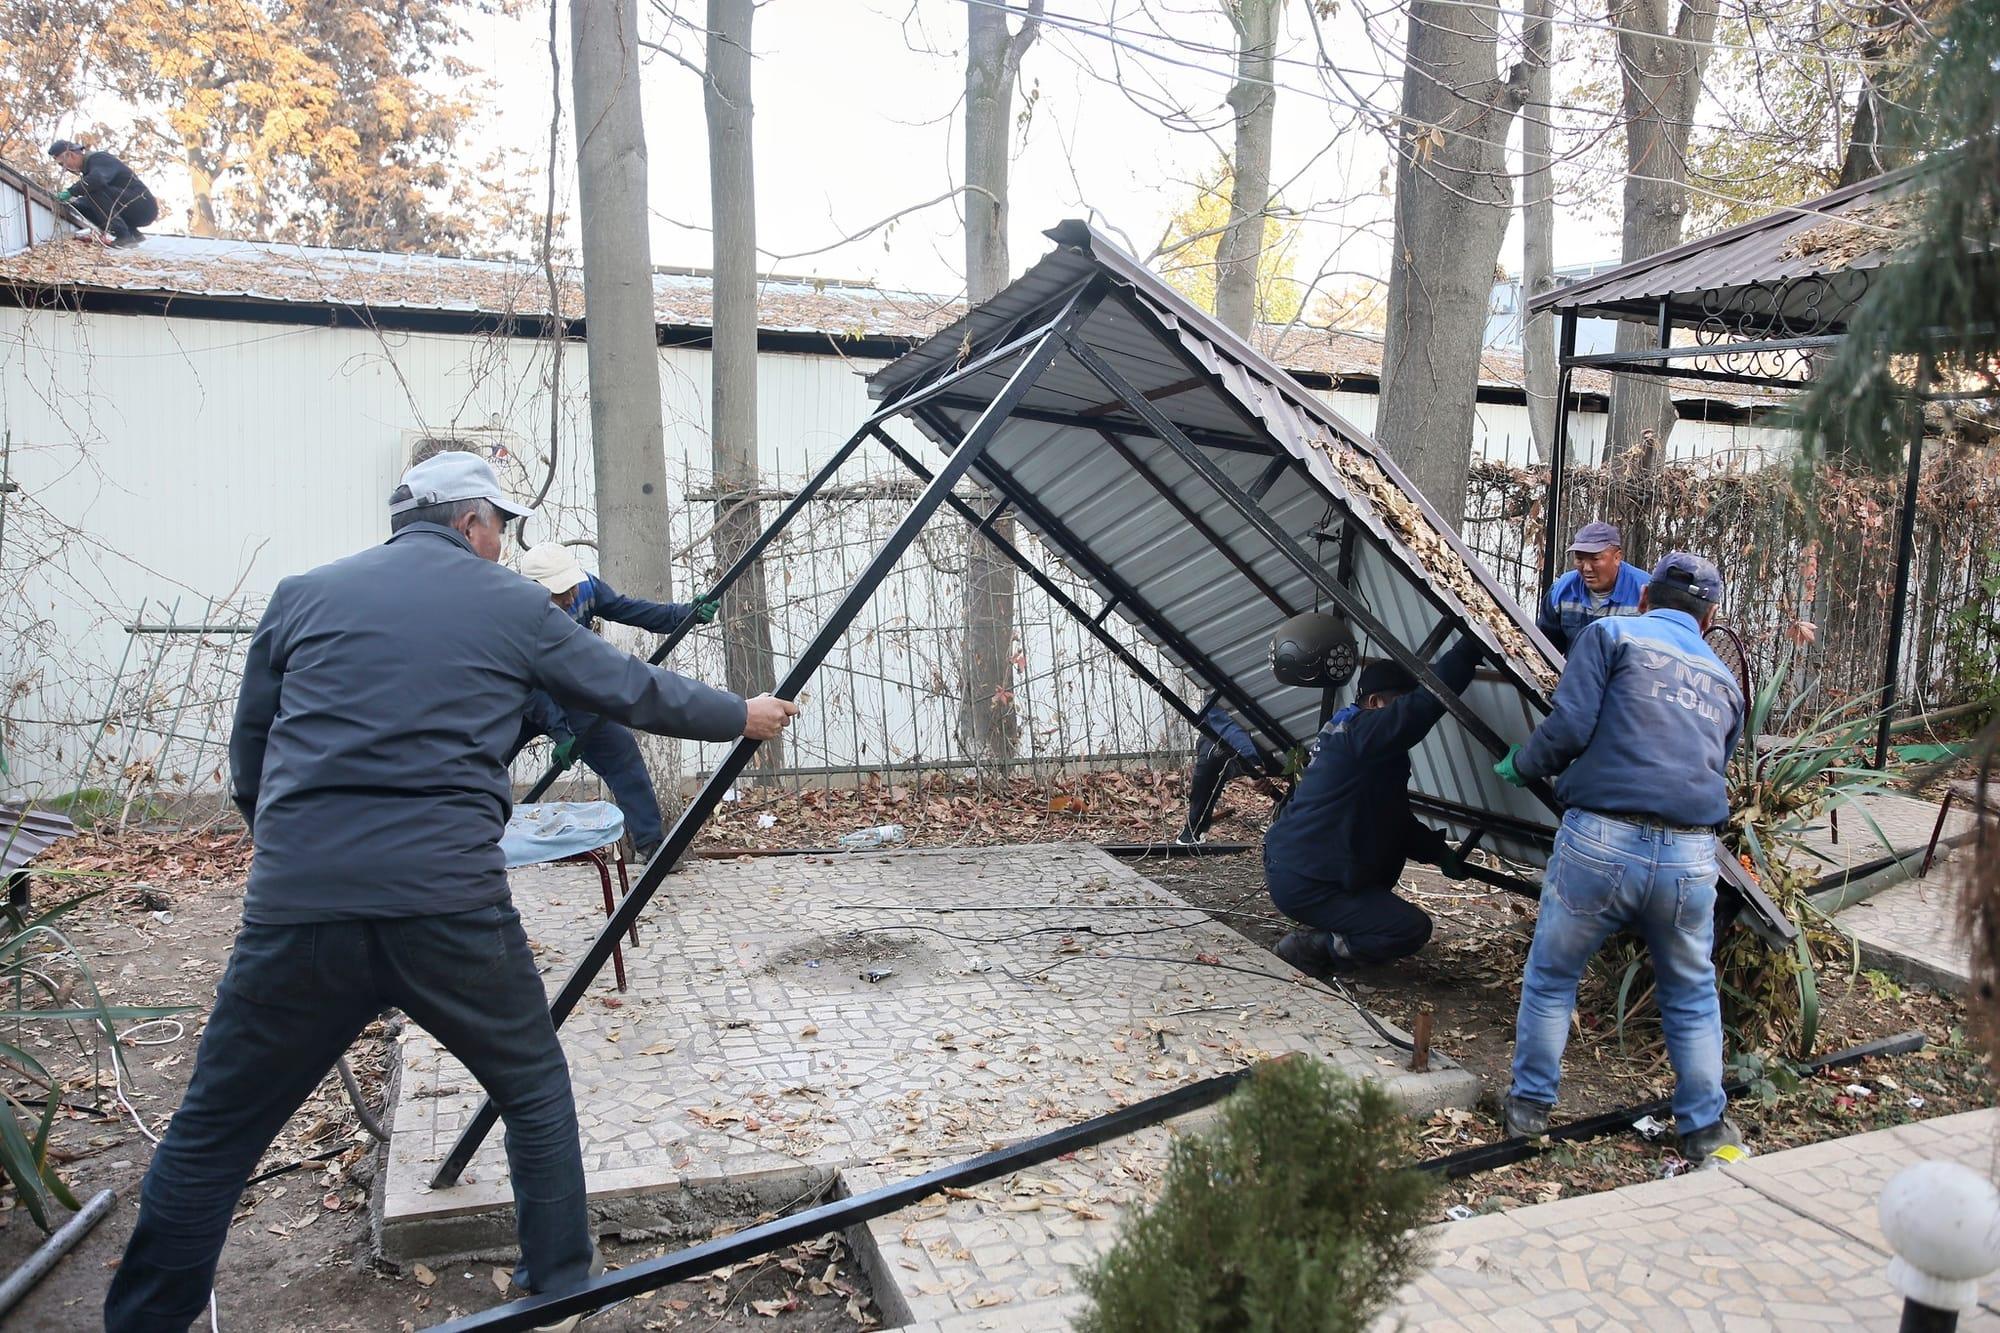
(293, 998)
(1607, 875)
(613, 754)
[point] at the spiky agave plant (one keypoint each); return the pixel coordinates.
(1781, 787)
(49, 988)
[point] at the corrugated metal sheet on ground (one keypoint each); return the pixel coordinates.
(25, 833)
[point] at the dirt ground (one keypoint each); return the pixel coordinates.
(299, 1255)
(1469, 976)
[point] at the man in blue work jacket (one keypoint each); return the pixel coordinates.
(380, 693)
(1334, 854)
(608, 748)
(1645, 719)
(1601, 585)
(1225, 751)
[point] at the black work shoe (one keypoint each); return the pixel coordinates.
(1526, 1119)
(1715, 1145)
(1306, 950)
(644, 855)
(1187, 837)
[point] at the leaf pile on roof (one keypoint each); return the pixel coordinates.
(1859, 233)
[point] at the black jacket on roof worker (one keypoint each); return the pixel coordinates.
(380, 698)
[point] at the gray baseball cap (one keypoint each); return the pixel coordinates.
(1691, 574)
(452, 475)
(1594, 537)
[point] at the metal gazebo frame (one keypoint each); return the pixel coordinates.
(1164, 460)
(1761, 301)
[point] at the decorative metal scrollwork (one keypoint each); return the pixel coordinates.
(1810, 305)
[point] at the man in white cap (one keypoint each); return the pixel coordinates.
(608, 748)
(380, 694)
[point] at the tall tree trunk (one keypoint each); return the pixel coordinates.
(625, 434)
(1538, 243)
(1661, 84)
(1879, 139)
(1452, 201)
(989, 727)
(201, 184)
(1254, 100)
(746, 614)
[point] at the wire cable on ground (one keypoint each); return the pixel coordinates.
(118, 1083)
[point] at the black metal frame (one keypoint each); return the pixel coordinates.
(1715, 321)
(1031, 355)
(1048, 345)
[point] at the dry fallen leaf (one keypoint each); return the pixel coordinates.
(423, 1275)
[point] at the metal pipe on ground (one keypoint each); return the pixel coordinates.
(652, 1274)
(1489, 1156)
(23, 1279)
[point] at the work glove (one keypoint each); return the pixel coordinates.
(1508, 772)
(565, 754)
(64, 196)
(703, 610)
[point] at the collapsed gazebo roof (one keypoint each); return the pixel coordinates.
(1128, 509)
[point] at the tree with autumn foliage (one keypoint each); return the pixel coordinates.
(1186, 257)
(327, 122)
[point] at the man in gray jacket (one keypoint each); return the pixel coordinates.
(380, 695)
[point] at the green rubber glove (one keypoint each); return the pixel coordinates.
(565, 753)
(703, 610)
(1507, 771)
(63, 197)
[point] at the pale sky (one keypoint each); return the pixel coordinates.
(852, 124)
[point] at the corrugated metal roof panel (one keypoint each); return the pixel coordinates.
(1823, 249)
(1096, 508)
(26, 833)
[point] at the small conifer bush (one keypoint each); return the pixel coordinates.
(1292, 1214)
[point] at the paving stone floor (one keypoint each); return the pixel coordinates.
(1787, 1241)
(750, 1059)
(1905, 821)
(1912, 931)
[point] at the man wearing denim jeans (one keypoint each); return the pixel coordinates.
(1639, 741)
(379, 695)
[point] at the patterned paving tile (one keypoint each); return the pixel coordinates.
(1016, 990)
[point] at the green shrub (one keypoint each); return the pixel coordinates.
(1291, 1215)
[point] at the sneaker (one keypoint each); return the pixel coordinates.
(1716, 1145)
(642, 856)
(1526, 1119)
(1187, 838)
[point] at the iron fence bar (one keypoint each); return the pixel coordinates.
(1141, 610)
(1711, 376)
(1695, 351)
(688, 826)
(750, 555)
(652, 1274)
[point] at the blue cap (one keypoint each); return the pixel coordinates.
(1594, 537)
(1690, 574)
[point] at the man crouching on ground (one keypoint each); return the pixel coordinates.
(379, 695)
(1334, 855)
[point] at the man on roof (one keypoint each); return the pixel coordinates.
(606, 746)
(106, 192)
(1601, 585)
